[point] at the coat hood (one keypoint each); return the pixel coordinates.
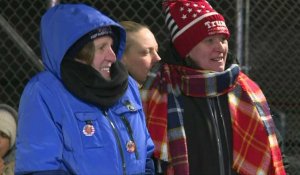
(63, 24)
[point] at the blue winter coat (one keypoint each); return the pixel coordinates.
(51, 137)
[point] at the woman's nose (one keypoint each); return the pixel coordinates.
(111, 54)
(220, 46)
(156, 57)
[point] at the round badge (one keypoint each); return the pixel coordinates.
(88, 130)
(130, 146)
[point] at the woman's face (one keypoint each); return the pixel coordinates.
(104, 56)
(141, 54)
(4, 144)
(210, 53)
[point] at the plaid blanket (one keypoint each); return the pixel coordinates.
(255, 147)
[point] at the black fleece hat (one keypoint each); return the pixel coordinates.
(90, 36)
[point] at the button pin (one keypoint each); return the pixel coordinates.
(130, 146)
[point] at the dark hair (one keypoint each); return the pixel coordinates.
(86, 54)
(231, 59)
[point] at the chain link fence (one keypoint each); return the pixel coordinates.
(264, 35)
(274, 53)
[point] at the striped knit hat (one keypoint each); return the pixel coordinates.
(190, 21)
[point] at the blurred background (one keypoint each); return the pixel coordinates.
(265, 37)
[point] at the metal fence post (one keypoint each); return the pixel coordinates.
(242, 34)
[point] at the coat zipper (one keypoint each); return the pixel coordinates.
(212, 110)
(225, 133)
(117, 137)
(130, 133)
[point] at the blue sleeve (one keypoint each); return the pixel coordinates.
(39, 143)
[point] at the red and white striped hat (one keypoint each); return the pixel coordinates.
(190, 21)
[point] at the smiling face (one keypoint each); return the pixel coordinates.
(99, 54)
(211, 53)
(141, 53)
(104, 56)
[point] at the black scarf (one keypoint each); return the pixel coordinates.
(87, 83)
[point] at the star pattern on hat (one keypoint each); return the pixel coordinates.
(190, 21)
(192, 9)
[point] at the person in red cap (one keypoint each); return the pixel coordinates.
(204, 114)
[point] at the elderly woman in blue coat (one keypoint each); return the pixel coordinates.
(83, 114)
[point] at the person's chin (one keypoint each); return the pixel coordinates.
(106, 77)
